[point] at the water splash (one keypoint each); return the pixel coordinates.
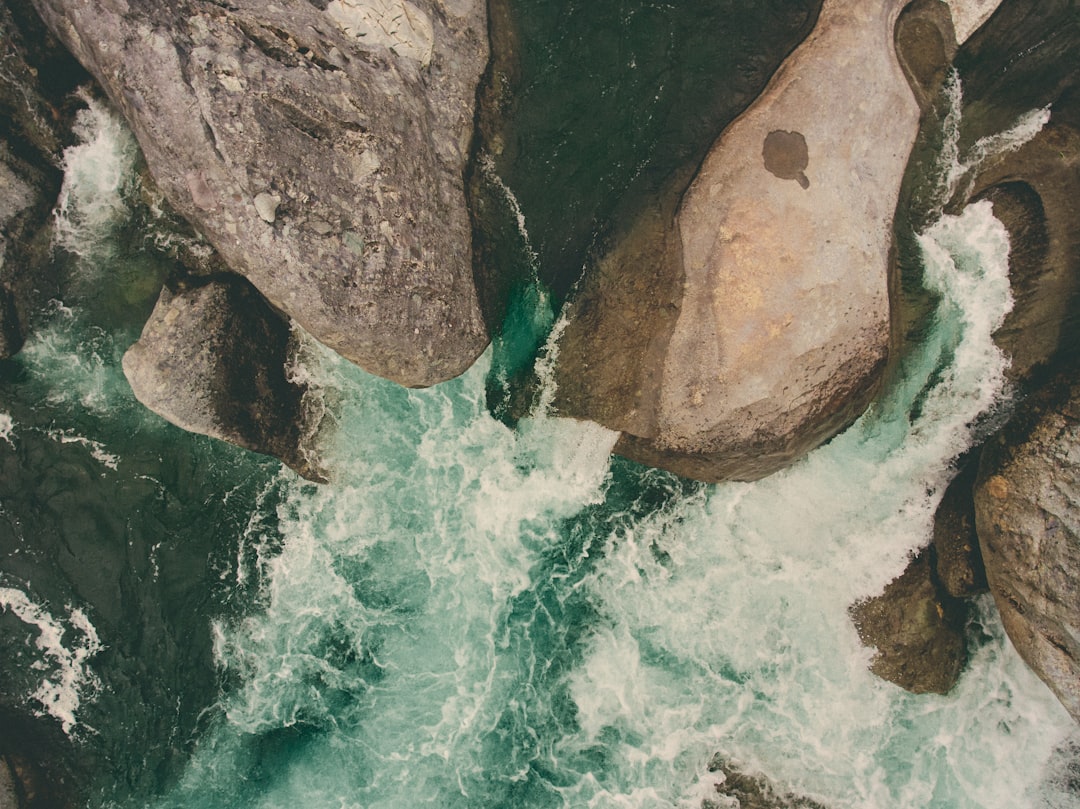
(69, 680)
(99, 177)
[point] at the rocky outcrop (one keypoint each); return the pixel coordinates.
(958, 562)
(771, 326)
(320, 147)
(747, 791)
(35, 75)
(1029, 530)
(1021, 61)
(916, 629)
(213, 359)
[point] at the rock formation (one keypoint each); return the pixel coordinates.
(1029, 529)
(213, 359)
(917, 631)
(320, 147)
(769, 321)
(750, 791)
(35, 75)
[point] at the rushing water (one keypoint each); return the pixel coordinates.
(474, 615)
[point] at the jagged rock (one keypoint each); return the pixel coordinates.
(363, 139)
(35, 75)
(958, 563)
(750, 791)
(1023, 60)
(1028, 522)
(917, 630)
(769, 323)
(213, 359)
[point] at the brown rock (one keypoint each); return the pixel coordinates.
(917, 630)
(958, 563)
(1029, 528)
(762, 324)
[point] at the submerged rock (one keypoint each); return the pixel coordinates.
(917, 630)
(750, 791)
(323, 163)
(1028, 520)
(214, 360)
(768, 322)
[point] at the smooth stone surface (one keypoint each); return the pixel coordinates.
(771, 291)
(232, 101)
(214, 360)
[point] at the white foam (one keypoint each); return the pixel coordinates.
(70, 679)
(7, 428)
(957, 172)
(98, 176)
(96, 448)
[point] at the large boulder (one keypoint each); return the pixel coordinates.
(1028, 520)
(320, 147)
(213, 359)
(767, 326)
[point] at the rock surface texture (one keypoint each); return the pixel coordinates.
(775, 276)
(320, 147)
(213, 360)
(35, 75)
(1028, 520)
(917, 630)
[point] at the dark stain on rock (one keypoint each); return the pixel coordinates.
(786, 156)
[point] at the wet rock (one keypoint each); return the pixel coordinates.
(958, 563)
(1022, 60)
(238, 105)
(1028, 523)
(917, 630)
(36, 74)
(214, 359)
(767, 323)
(750, 791)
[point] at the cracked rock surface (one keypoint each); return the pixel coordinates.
(323, 163)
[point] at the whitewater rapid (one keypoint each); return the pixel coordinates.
(475, 615)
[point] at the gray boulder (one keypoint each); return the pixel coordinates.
(320, 148)
(1028, 522)
(213, 359)
(767, 324)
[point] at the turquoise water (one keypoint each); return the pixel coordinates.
(474, 615)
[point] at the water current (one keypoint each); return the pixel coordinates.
(494, 617)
